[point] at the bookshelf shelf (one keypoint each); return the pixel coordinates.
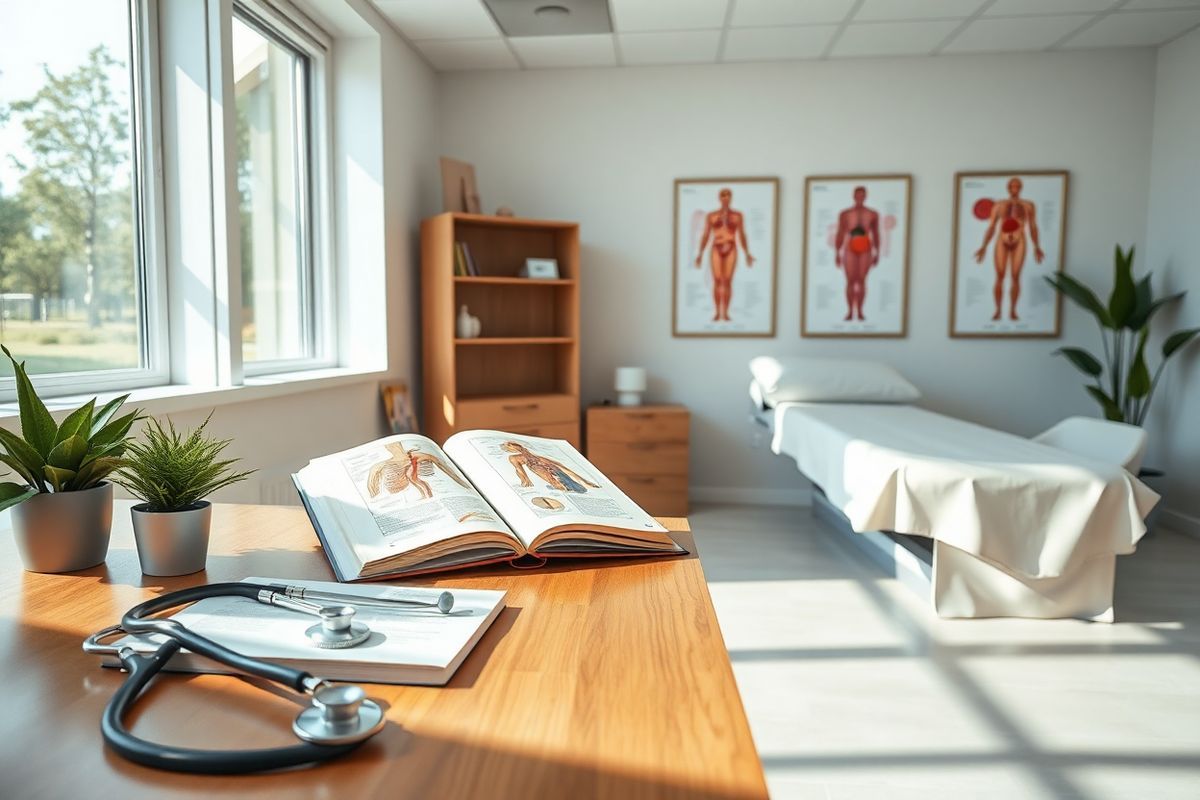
(515, 340)
(529, 351)
(498, 280)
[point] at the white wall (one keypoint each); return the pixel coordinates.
(603, 147)
(1173, 253)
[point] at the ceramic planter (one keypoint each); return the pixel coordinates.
(64, 531)
(172, 542)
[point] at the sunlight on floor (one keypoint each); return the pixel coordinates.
(854, 689)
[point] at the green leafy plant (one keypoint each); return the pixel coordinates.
(69, 457)
(172, 471)
(1124, 385)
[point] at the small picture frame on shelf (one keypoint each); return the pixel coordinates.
(540, 268)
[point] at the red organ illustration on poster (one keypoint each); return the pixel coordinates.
(726, 227)
(856, 249)
(1013, 215)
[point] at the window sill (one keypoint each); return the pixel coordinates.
(174, 398)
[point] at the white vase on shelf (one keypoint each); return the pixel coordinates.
(465, 325)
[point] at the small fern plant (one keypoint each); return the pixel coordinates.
(173, 471)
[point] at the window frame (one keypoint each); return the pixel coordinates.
(296, 32)
(150, 246)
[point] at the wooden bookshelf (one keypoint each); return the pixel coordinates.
(522, 373)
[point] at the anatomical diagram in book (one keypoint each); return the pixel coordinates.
(408, 468)
(554, 473)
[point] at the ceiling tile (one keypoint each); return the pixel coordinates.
(893, 38)
(546, 52)
(1014, 33)
(457, 54)
(762, 13)
(1136, 29)
(670, 47)
(916, 9)
(667, 15)
(1002, 8)
(439, 19)
(1154, 5)
(770, 44)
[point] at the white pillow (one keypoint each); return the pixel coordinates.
(829, 380)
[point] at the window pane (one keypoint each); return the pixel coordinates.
(70, 265)
(272, 187)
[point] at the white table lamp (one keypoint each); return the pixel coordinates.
(630, 383)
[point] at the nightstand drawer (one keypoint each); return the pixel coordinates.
(659, 495)
(641, 457)
(631, 425)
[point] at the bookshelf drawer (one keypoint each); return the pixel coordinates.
(508, 413)
(633, 425)
(550, 430)
(659, 495)
(641, 457)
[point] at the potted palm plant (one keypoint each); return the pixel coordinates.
(172, 473)
(1124, 384)
(62, 506)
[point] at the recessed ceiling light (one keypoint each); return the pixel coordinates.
(552, 11)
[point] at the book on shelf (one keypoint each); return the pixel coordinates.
(460, 260)
(411, 646)
(472, 268)
(401, 505)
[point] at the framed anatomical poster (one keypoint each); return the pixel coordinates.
(855, 273)
(724, 256)
(1010, 230)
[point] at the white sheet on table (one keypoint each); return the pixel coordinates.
(1030, 508)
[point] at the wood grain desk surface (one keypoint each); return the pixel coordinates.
(606, 679)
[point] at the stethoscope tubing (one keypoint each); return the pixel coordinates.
(142, 669)
(136, 621)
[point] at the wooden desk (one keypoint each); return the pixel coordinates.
(604, 680)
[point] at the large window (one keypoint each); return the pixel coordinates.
(274, 88)
(128, 173)
(73, 284)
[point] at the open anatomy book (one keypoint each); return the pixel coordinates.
(402, 505)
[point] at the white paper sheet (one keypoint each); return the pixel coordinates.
(1032, 509)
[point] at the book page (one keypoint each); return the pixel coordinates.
(396, 494)
(537, 484)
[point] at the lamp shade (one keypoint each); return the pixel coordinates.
(630, 379)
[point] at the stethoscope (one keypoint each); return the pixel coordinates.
(339, 719)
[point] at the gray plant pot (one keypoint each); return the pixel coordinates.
(172, 542)
(64, 531)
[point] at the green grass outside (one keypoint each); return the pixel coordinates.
(69, 346)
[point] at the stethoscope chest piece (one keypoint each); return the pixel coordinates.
(339, 714)
(337, 629)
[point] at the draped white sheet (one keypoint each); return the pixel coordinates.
(1033, 510)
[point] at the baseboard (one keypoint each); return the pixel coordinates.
(745, 495)
(1179, 521)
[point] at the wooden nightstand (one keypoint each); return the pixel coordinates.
(644, 450)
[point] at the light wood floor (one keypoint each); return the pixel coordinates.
(854, 689)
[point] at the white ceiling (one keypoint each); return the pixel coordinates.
(462, 34)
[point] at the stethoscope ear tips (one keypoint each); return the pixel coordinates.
(339, 714)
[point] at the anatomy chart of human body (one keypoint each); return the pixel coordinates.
(725, 236)
(1010, 229)
(855, 279)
